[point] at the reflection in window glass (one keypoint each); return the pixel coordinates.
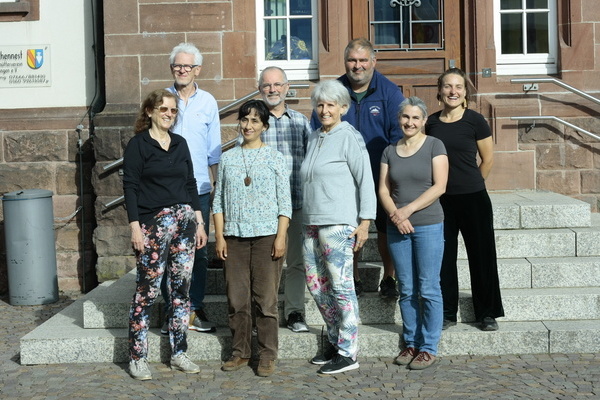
(411, 27)
(297, 45)
(275, 8)
(426, 33)
(537, 33)
(275, 39)
(300, 7)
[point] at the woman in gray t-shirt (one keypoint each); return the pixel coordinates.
(414, 173)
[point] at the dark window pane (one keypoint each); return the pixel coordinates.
(537, 33)
(426, 33)
(511, 4)
(275, 8)
(382, 11)
(300, 7)
(428, 10)
(511, 33)
(537, 4)
(387, 34)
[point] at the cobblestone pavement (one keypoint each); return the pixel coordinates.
(555, 376)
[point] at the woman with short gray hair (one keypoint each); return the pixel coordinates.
(339, 204)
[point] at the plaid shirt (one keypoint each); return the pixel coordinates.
(289, 135)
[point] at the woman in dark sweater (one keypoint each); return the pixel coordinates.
(166, 227)
(466, 203)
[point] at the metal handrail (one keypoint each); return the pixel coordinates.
(559, 83)
(119, 162)
(553, 118)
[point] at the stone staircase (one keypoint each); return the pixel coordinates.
(549, 264)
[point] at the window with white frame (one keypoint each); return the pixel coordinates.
(287, 36)
(525, 33)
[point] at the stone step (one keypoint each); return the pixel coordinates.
(546, 272)
(108, 305)
(524, 210)
(535, 210)
(522, 243)
(62, 339)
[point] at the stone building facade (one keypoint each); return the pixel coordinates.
(138, 36)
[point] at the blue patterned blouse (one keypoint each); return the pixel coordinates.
(252, 210)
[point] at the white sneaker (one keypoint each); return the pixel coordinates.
(138, 369)
(183, 363)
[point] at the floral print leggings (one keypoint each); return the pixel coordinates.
(169, 246)
(328, 255)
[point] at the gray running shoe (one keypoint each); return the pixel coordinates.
(183, 363)
(200, 323)
(138, 369)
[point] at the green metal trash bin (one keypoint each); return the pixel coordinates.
(30, 247)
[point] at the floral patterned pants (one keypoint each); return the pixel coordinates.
(328, 255)
(169, 245)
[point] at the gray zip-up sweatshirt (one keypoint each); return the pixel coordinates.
(337, 184)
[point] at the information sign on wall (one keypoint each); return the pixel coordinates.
(25, 66)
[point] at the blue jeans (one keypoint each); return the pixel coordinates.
(199, 272)
(417, 259)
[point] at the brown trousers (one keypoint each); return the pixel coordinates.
(252, 279)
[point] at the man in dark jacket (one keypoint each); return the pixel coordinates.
(374, 113)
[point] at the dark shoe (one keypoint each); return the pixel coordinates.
(447, 324)
(489, 324)
(265, 368)
(358, 287)
(296, 322)
(422, 360)
(388, 288)
(200, 323)
(234, 363)
(406, 356)
(327, 356)
(339, 364)
(164, 330)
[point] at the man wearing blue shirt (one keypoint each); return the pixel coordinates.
(198, 122)
(375, 102)
(288, 133)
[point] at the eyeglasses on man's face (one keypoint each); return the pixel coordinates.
(185, 67)
(164, 109)
(276, 85)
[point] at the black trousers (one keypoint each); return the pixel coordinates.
(471, 214)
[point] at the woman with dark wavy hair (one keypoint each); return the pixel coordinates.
(166, 227)
(252, 209)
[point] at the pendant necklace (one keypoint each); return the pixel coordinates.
(247, 179)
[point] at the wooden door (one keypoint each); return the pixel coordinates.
(415, 40)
